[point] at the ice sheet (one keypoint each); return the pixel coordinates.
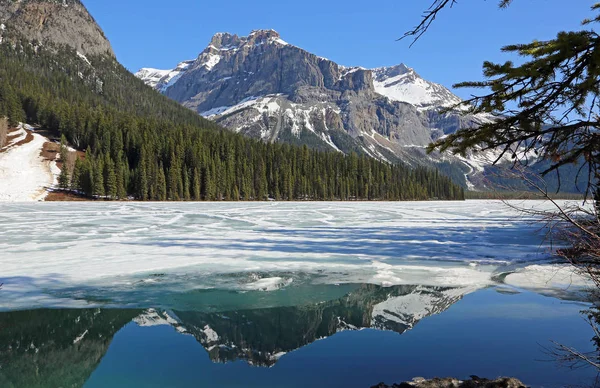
(53, 246)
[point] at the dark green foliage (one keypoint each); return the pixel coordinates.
(63, 179)
(548, 104)
(143, 145)
(56, 360)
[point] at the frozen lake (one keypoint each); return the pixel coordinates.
(281, 294)
(65, 254)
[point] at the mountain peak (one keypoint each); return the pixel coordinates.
(392, 71)
(264, 34)
(224, 41)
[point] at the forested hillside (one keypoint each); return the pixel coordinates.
(141, 144)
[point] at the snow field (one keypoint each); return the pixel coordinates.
(24, 174)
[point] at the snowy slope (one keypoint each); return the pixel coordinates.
(24, 174)
(162, 79)
(401, 83)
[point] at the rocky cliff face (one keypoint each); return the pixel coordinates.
(60, 22)
(266, 88)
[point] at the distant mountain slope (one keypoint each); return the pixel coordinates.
(268, 89)
(143, 145)
(60, 22)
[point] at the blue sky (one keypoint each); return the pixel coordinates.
(158, 33)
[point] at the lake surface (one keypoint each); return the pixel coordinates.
(281, 295)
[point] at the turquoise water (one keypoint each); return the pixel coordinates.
(281, 295)
(350, 336)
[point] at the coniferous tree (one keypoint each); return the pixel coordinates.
(162, 184)
(98, 179)
(196, 188)
(63, 179)
(110, 178)
(120, 177)
(76, 176)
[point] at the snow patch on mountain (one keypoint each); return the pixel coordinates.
(215, 111)
(402, 83)
(84, 58)
(163, 79)
(210, 60)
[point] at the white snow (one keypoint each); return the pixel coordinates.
(409, 309)
(79, 338)
(281, 41)
(278, 355)
(210, 61)
(195, 245)
(151, 317)
(211, 335)
(2, 29)
(269, 284)
(163, 79)
(80, 55)
(24, 174)
(152, 76)
(215, 111)
(245, 103)
(276, 105)
(411, 88)
(548, 278)
(327, 139)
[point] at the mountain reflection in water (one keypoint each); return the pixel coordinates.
(42, 348)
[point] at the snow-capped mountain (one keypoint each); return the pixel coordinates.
(266, 88)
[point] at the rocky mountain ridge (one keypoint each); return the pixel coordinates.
(266, 88)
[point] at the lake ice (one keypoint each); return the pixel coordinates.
(83, 254)
(260, 294)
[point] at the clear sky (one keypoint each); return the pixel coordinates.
(160, 34)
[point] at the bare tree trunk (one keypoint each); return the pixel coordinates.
(70, 162)
(3, 131)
